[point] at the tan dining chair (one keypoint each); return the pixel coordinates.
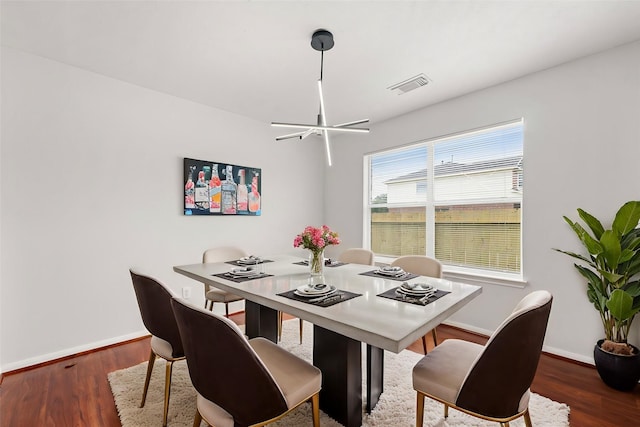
(488, 381)
(154, 300)
(357, 256)
(213, 294)
(423, 266)
(252, 382)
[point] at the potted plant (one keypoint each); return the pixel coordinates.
(612, 273)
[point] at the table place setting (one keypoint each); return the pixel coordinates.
(389, 272)
(319, 294)
(328, 262)
(249, 260)
(414, 293)
(242, 274)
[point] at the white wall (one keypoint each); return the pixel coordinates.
(582, 145)
(92, 185)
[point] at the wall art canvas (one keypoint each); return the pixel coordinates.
(215, 188)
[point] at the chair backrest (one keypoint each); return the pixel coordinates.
(154, 300)
(357, 256)
(419, 264)
(224, 368)
(502, 374)
(222, 254)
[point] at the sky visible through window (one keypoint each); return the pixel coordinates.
(494, 143)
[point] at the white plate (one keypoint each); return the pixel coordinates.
(244, 271)
(391, 273)
(417, 287)
(249, 260)
(306, 291)
(409, 292)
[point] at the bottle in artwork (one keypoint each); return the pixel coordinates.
(189, 200)
(202, 189)
(242, 192)
(254, 195)
(229, 191)
(214, 190)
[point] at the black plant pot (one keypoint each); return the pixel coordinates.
(617, 371)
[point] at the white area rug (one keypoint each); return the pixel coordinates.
(396, 407)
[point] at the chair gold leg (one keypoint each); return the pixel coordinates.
(197, 419)
(167, 392)
(446, 411)
(434, 334)
(301, 323)
(226, 310)
(279, 325)
(315, 409)
(420, 410)
(424, 344)
(152, 358)
(527, 418)
(506, 424)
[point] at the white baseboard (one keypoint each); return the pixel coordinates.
(546, 349)
(69, 351)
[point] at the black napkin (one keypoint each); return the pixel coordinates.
(406, 276)
(326, 264)
(340, 296)
(391, 294)
(240, 279)
(244, 263)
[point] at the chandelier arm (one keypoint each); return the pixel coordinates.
(353, 123)
(318, 127)
(323, 120)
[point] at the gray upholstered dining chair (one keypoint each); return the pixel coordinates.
(242, 382)
(424, 266)
(492, 381)
(154, 300)
(357, 256)
(212, 294)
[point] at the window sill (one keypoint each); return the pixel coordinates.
(481, 278)
(474, 277)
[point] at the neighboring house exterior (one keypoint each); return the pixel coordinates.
(477, 214)
(492, 180)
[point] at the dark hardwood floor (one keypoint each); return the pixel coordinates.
(75, 391)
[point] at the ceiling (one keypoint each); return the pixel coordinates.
(254, 58)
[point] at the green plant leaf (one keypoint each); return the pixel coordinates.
(592, 245)
(631, 240)
(627, 218)
(620, 305)
(610, 277)
(632, 288)
(575, 255)
(599, 301)
(626, 255)
(593, 223)
(610, 242)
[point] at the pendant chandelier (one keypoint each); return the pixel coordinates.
(321, 40)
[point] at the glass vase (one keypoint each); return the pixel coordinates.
(316, 263)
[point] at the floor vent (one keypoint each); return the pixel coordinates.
(410, 84)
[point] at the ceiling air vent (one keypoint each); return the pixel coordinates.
(410, 84)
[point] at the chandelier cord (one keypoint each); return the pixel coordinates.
(321, 61)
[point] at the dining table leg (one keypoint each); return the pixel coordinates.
(260, 321)
(375, 371)
(340, 360)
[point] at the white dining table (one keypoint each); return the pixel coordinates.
(339, 330)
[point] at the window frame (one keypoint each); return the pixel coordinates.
(452, 272)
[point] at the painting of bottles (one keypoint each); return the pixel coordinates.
(215, 188)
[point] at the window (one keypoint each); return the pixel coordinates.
(457, 198)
